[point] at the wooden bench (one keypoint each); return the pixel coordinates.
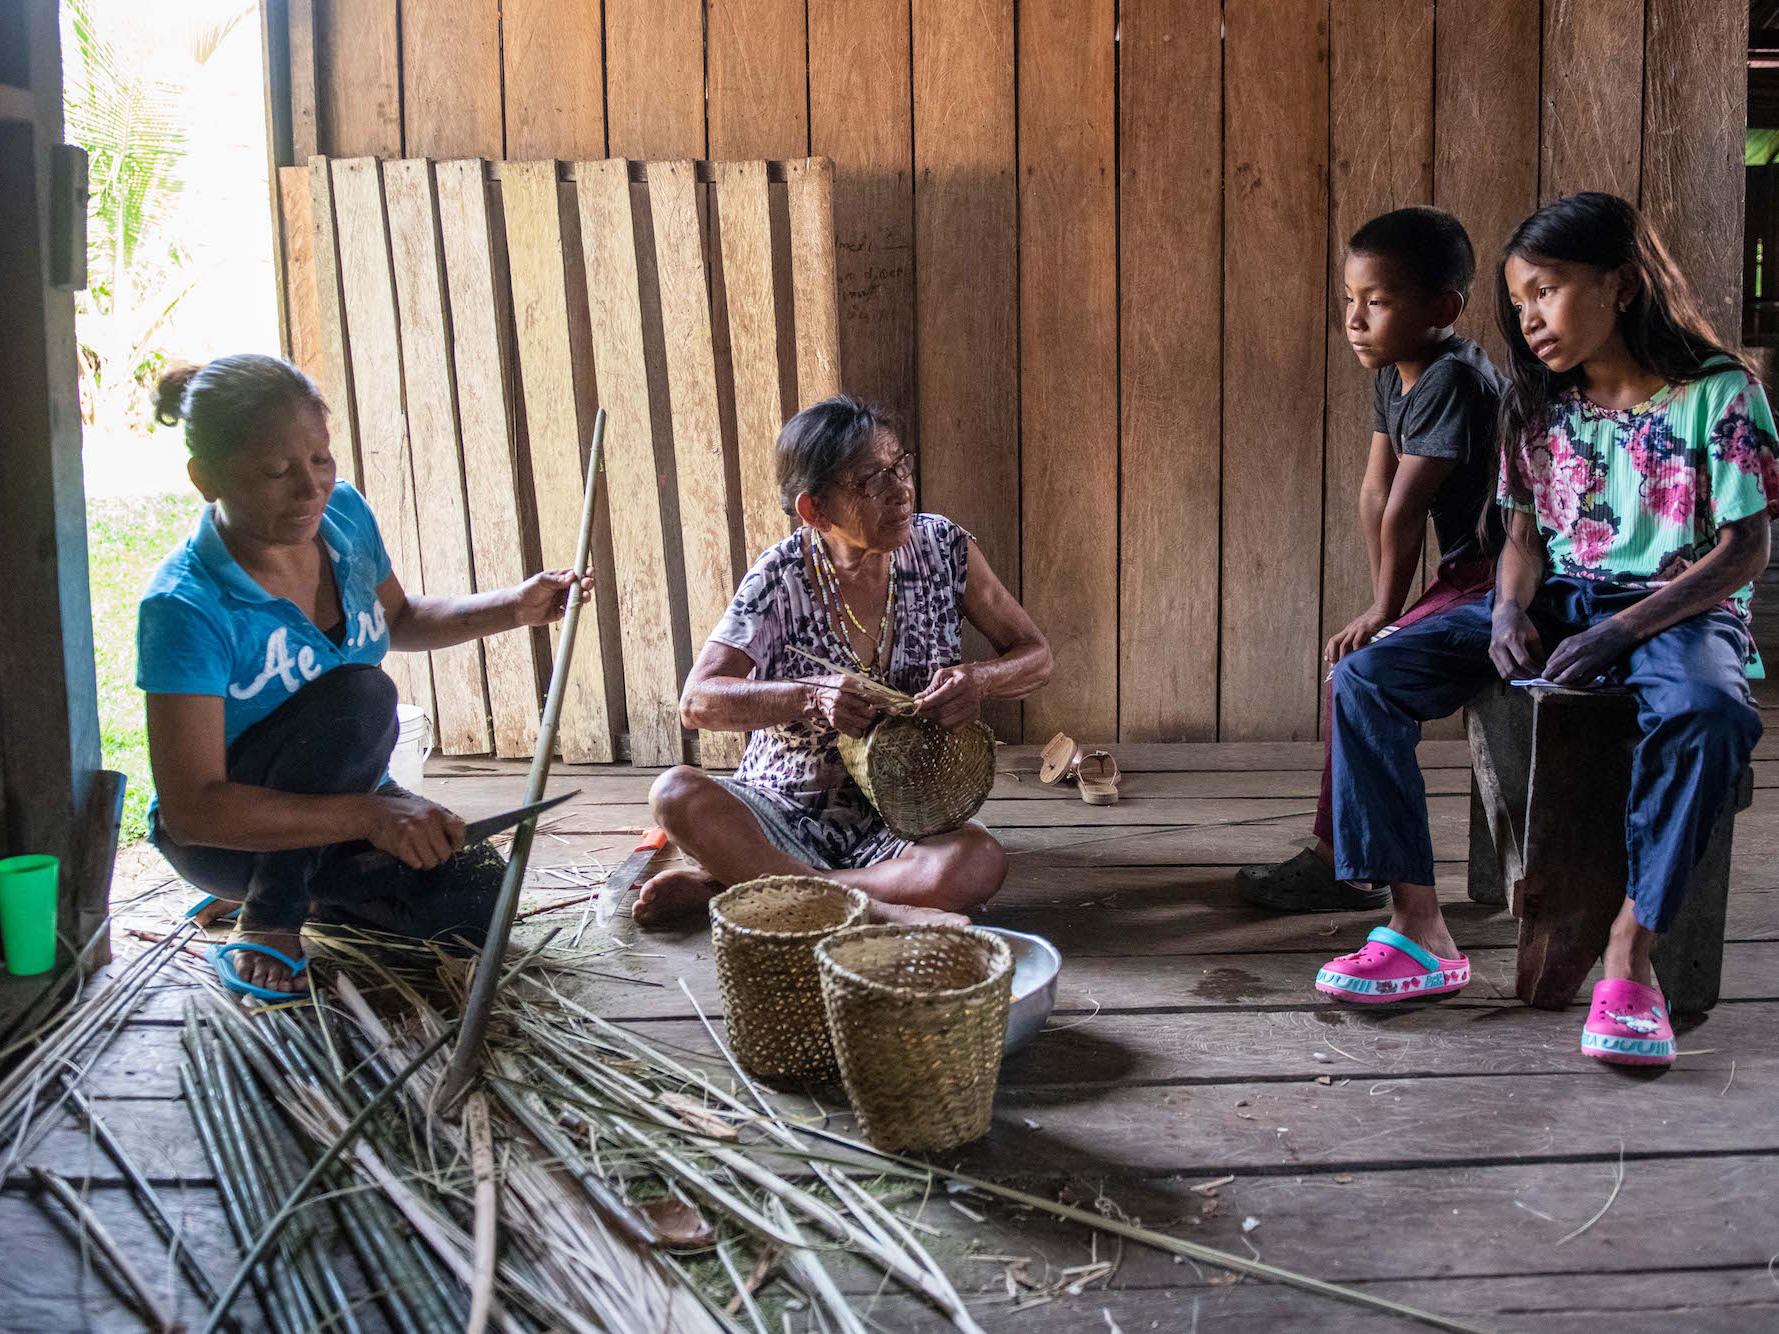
(1551, 769)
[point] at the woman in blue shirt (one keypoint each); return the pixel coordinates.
(270, 725)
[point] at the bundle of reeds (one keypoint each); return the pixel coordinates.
(632, 1186)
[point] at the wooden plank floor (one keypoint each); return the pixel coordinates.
(1446, 1154)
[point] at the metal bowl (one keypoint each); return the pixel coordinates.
(1036, 963)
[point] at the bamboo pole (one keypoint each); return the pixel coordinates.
(466, 1057)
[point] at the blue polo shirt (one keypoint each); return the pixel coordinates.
(206, 628)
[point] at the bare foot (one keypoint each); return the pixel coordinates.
(906, 914)
(262, 970)
(207, 916)
(673, 894)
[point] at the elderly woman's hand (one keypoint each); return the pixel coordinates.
(840, 703)
(543, 598)
(952, 697)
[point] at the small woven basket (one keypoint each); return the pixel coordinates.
(765, 932)
(922, 778)
(918, 1016)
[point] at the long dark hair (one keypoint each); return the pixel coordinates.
(1662, 326)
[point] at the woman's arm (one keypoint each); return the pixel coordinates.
(1024, 662)
(1740, 554)
(419, 622)
(720, 696)
(200, 806)
(1514, 645)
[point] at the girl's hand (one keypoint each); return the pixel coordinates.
(1356, 635)
(1581, 658)
(1514, 645)
(953, 697)
(413, 830)
(838, 702)
(543, 598)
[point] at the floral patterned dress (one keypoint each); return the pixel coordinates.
(1635, 496)
(792, 776)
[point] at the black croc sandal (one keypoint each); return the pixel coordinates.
(1305, 884)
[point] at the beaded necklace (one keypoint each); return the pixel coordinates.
(834, 602)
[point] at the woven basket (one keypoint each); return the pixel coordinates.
(922, 778)
(918, 1016)
(765, 932)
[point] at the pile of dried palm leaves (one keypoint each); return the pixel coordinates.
(597, 1181)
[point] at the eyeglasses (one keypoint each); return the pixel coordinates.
(885, 482)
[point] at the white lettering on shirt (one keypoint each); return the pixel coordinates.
(279, 664)
(372, 626)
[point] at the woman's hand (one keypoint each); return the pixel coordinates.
(413, 830)
(840, 703)
(952, 697)
(543, 598)
(1580, 659)
(1514, 645)
(1355, 635)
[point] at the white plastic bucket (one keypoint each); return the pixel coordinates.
(413, 743)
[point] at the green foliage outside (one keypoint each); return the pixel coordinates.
(1761, 149)
(127, 537)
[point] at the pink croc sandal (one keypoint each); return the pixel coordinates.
(1390, 967)
(1628, 1025)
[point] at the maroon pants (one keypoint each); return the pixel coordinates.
(1454, 584)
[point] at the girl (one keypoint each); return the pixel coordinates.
(1639, 473)
(269, 723)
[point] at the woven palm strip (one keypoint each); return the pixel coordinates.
(918, 1016)
(765, 932)
(923, 779)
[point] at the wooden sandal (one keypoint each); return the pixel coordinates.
(1098, 775)
(1060, 758)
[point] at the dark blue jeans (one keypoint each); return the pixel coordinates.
(1696, 716)
(335, 735)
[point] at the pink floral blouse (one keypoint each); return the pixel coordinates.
(1635, 496)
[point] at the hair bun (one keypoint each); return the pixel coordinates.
(169, 393)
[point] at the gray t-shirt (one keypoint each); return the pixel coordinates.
(1450, 413)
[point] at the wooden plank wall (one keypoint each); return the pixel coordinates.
(1089, 253)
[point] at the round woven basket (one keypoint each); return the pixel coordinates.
(918, 1016)
(922, 778)
(765, 932)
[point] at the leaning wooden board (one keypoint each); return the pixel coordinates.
(368, 287)
(434, 445)
(1592, 89)
(475, 265)
(558, 417)
(645, 610)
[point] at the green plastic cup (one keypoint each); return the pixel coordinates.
(28, 914)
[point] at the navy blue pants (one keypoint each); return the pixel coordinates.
(1694, 711)
(335, 735)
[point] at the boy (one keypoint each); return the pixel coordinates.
(1436, 399)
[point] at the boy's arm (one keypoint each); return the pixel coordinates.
(1374, 495)
(1395, 543)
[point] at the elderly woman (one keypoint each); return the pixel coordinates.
(867, 584)
(270, 724)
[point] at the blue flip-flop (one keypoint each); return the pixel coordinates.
(233, 914)
(219, 960)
